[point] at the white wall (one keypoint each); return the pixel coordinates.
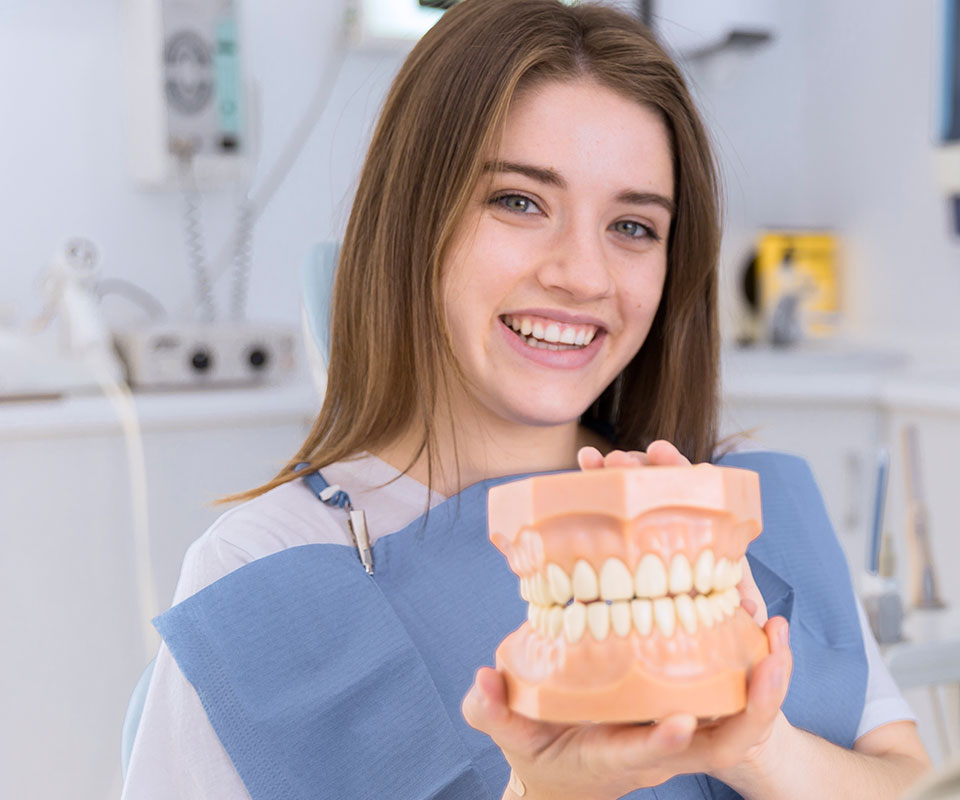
(63, 169)
(830, 125)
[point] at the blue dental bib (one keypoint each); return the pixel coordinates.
(324, 682)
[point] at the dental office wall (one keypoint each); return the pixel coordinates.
(828, 125)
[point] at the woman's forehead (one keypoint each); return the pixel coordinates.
(581, 132)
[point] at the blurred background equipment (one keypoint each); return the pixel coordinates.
(797, 283)
(193, 123)
(923, 590)
(948, 130)
(185, 90)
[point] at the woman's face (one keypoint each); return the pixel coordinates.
(554, 276)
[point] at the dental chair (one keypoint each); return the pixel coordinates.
(316, 281)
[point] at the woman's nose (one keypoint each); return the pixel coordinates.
(577, 264)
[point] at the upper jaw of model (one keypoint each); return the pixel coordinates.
(634, 567)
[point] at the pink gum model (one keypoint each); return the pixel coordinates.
(631, 578)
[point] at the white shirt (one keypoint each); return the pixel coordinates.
(177, 754)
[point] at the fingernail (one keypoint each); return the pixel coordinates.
(784, 634)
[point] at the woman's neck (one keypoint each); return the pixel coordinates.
(491, 454)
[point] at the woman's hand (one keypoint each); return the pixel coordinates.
(600, 761)
(606, 761)
(659, 454)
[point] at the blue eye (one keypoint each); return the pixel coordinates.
(518, 203)
(635, 230)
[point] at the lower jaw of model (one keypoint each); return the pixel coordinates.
(631, 617)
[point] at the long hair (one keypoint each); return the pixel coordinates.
(391, 356)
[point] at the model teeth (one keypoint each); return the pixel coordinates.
(650, 579)
(598, 620)
(642, 613)
(681, 578)
(703, 572)
(705, 610)
(585, 586)
(615, 581)
(665, 615)
(554, 622)
(686, 612)
(620, 618)
(574, 621)
(560, 586)
(654, 597)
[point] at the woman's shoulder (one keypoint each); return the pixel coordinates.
(288, 515)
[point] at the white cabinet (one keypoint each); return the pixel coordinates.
(827, 411)
(71, 623)
(840, 442)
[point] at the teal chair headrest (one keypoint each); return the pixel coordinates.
(317, 278)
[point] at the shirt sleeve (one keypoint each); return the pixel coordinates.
(884, 701)
(176, 753)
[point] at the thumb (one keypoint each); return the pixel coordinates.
(485, 708)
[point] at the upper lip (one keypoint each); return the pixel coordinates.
(559, 316)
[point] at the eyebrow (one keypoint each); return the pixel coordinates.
(553, 178)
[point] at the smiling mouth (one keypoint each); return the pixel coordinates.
(548, 334)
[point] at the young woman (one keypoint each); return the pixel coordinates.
(527, 284)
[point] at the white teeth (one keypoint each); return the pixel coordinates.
(581, 335)
(526, 327)
(585, 586)
(555, 622)
(538, 330)
(589, 337)
(569, 336)
(552, 333)
(620, 617)
(665, 614)
(533, 615)
(723, 575)
(642, 612)
(615, 580)
(733, 598)
(686, 613)
(703, 572)
(601, 602)
(728, 600)
(540, 590)
(705, 610)
(574, 621)
(650, 579)
(681, 578)
(559, 584)
(737, 571)
(719, 607)
(598, 620)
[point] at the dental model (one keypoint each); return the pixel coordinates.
(631, 578)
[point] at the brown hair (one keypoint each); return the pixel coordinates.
(442, 118)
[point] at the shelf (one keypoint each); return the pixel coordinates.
(88, 414)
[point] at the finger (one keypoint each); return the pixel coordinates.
(485, 708)
(662, 453)
(636, 747)
(589, 458)
(750, 596)
(619, 458)
(728, 742)
(770, 679)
